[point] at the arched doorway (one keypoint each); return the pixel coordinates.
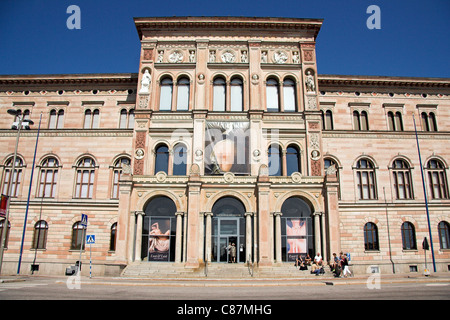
(297, 233)
(228, 229)
(158, 230)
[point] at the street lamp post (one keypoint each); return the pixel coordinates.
(8, 201)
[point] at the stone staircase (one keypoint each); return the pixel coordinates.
(160, 270)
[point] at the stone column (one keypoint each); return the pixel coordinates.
(324, 238)
(138, 246)
(124, 236)
(265, 232)
(193, 235)
(332, 210)
(277, 236)
(248, 236)
(317, 231)
(208, 216)
(178, 236)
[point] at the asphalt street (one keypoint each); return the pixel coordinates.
(84, 288)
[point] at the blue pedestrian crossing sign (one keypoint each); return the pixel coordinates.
(90, 239)
(84, 219)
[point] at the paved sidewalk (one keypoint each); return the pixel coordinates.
(439, 277)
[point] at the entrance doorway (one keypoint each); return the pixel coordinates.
(228, 229)
(228, 236)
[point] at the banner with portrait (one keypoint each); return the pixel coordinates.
(159, 239)
(227, 147)
(296, 238)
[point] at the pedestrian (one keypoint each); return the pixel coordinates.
(233, 253)
(344, 264)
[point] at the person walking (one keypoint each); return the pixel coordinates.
(233, 253)
(344, 263)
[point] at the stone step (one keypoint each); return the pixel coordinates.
(215, 270)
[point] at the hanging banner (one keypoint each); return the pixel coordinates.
(159, 240)
(227, 147)
(3, 204)
(297, 244)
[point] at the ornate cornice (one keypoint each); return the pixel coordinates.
(70, 79)
(382, 81)
(227, 23)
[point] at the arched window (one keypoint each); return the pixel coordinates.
(48, 178)
(16, 178)
(272, 95)
(408, 236)
(219, 94)
(395, 122)
(444, 234)
(113, 237)
(126, 119)
(91, 119)
(360, 120)
(398, 121)
(183, 87)
(179, 160)
(40, 235)
(237, 91)
(289, 97)
(428, 121)
(117, 172)
(432, 120)
(165, 98)
(402, 179)
(437, 179)
(366, 182)
(292, 160)
(356, 121)
(161, 159)
(371, 237)
(328, 162)
(56, 119)
(78, 235)
(327, 120)
(275, 160)
(364, 121)
(85, 176)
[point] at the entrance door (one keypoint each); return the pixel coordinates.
(227, 235)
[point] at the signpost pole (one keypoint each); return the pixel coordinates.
(84, 220)
(90, 260)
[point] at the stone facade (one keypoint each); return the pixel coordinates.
(200, 74)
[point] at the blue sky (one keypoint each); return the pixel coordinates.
(413, 39)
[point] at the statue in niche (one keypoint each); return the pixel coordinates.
(244, 56)
(310, 86)
(192, 56)
(145, 82)
(160, 56)
(212, 56)
(264, 57)
(295, 57)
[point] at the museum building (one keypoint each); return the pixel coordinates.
(225, 137)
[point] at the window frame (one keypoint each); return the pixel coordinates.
(371, 229)
(80, 180)
(366, 174)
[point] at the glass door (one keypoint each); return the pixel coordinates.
(226, 242)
